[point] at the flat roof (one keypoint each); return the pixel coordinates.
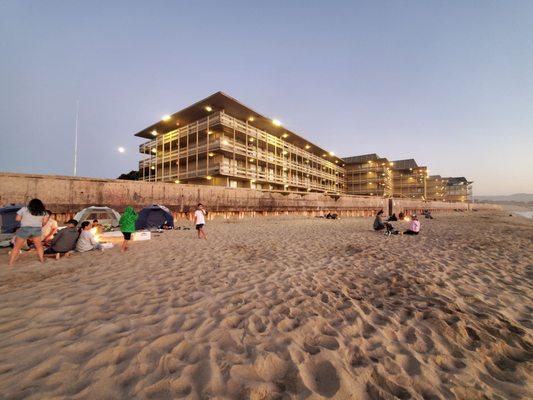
(220, 101)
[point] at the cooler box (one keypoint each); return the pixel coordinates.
(143, 235)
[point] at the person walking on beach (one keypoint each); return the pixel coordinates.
(414, 226)
(127, 226)
(199, 221)
(31, 222)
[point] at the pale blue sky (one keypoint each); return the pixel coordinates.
(449, 83)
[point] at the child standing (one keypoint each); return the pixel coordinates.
(199, 221)
(127, 226)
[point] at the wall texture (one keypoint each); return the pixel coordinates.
(67, 195)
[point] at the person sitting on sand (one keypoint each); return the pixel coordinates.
(87, 241)
(127, 226)
(379, 224)
(199, 221)
(393, 217)
(414, 226)
(99, 227)
(31, 223)
(401, 216)
(65, 240)
(49, 229)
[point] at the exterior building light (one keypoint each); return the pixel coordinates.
(225, 142)
(251, 119)
(285, 135)
(331, 153)
(152, 167)
(208, 177)
(285, 152)
(276, 122)
(284, 169)
(165, 117)
(391, 163)
(211, 154)
(251, 160)
(307, 147)
(154, 151)
(252, 180)
(251, 139)
(324, 155)
(208, 109)
(209, 132)
(154, 133)
(177, 181)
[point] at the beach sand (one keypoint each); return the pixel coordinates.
(278, 308)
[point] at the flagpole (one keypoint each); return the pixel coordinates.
(76, 138)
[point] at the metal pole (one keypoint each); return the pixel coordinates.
(76, 138)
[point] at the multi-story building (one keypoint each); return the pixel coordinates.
(219, 141)
(435, 188)
(408, 179)
(458, 189)
(368, 175)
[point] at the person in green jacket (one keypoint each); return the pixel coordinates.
(127, 226)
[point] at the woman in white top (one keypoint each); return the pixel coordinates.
(31, 222)
(199, 221)
(87, 241)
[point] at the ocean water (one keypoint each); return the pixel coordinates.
(527, 214)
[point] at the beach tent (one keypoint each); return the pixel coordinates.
(154, 216)
(8, 224)
(104, 215)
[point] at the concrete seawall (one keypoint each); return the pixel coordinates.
(66, 195)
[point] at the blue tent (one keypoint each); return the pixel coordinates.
(154, 216)
(8, 224)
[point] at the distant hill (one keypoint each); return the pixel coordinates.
(512, 198)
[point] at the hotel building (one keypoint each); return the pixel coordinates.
(458, 189)
(435, 188)
(408, 179)
(368, 175)
(219, 141)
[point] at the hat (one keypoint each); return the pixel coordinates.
(73, 222)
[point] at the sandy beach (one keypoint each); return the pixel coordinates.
(278, 308)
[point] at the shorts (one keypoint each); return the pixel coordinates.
(127, 235)
(27, 232)
(199, 226)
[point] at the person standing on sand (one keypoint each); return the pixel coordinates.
(127, 226)
(199, 221)
(414, 226)
(31, 222)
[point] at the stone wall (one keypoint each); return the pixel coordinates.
(67, 195)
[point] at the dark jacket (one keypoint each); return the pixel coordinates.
(378, 223)
(65, 240)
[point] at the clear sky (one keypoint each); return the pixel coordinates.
(449, 83)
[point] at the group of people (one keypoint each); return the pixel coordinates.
(39, 230)
(379, 224)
